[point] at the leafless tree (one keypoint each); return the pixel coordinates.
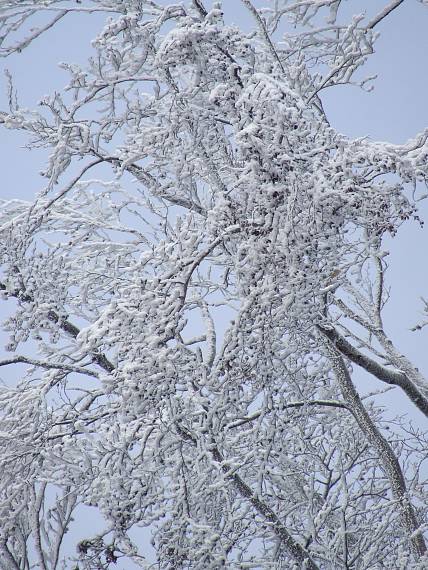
(192, 289)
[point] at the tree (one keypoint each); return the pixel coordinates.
(192, 292)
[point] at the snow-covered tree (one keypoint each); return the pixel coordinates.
(193, 289)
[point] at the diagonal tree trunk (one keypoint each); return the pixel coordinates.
(389, 461)
(401, 378)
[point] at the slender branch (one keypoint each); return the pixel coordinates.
(330, 76)
(64, 519)
(353, 316)
(46, 206)
(387, 457)
(48, 365)
(71, 183)
(25, 43)
(255, 415)
(296, 550)
(26, 7)
(200, 7)
(379, 288)
(8, 557)
(137, 171)
(264, 31)
(38, 502)
(384, 13)
(151, 182)
(326, 403)
(394, 377)
(63, 324)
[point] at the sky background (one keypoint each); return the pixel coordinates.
(394, 111)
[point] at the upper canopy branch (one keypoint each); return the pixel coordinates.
(383, 13)
(387, 375)
(64, 324)
(48, 365)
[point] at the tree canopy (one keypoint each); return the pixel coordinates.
(193, 290)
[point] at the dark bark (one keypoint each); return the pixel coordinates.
(387, 375)
(387, 457)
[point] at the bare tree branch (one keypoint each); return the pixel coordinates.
(48, 365)
(384, 13)
(387, 375)
(387, 457)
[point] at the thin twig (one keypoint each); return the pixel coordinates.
(48, 365)
(384, 13)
